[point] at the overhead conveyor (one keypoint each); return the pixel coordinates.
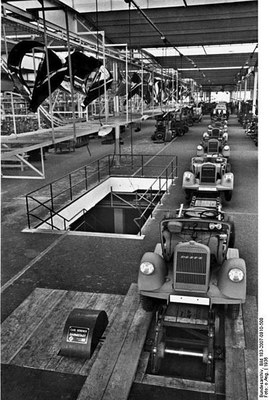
(58, 38)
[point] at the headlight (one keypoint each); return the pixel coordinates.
(187, 177)
(228, 178)
(215, 226)
(147, 268)
(236, 275)
(226, 147)
(199, 147)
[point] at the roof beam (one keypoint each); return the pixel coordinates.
(223, 23)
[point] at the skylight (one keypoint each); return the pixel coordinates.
(203, 50)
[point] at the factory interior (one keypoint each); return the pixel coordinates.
(130, 190)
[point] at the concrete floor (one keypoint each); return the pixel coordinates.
(84, 263)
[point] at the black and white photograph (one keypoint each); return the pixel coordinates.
(134, 211)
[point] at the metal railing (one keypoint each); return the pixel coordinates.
(153, 194)
(50, 199)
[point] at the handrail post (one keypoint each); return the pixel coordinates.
(86, 178)
(98, 170)
(51, 218)
(27, 210)
(109, 165)
(51, 197)
(70, 187)
(151, 201)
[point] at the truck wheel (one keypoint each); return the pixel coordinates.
(147, 303)
(188, 194)
(159, 135)
(232, 235)
(228, 168)
(185, 129)
(168, 136)
(228, 195)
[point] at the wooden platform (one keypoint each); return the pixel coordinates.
(31, 337)
(241, 364)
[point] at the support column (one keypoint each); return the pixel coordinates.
(254, 105)
(239, 103)
(117, 145)
(245, 89)
(116, 98)
(105, 89)
(70, 76)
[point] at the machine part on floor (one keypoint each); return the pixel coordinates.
(82, 331)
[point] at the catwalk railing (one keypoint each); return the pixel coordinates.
(49, 200)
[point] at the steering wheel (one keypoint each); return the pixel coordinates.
(209, 214)
(202, 213)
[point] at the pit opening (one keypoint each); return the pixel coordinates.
(123, 213)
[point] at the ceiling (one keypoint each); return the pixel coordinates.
(213, 42)
(191, 23)
(221, 23)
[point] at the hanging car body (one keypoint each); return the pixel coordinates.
(57, 71)
(95, 85)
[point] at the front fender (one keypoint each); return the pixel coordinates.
(157, 278)
(188, 180)
(226, 151)
(227, 180)
(200, 150)
(234, 290)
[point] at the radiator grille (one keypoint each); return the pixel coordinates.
(191, 268)
(208, 173)
(215, 132)
(213, 146)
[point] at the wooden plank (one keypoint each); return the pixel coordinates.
(219, 376)
(18, 328)
(43, 346)
(250, 317)
(251, 363)
(178, 383)
(102, 369)
(235, 377)
(234, 332)
(123, 374)
(142, 366)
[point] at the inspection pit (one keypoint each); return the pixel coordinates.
(111, 207)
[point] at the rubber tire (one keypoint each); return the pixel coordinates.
(148, 303)
(167, 136)
(159, 135)
(228, 195)
(188, 194)
(185, 129)
(228, 168)
(232, 236)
